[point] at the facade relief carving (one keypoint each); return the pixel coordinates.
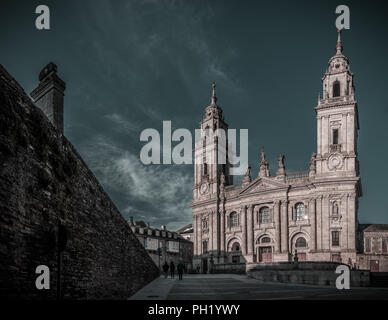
(335, 161)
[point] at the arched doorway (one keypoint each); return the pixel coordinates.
(236, 252)
(300, 247)
(264, 249)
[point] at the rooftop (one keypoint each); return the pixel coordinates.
(376, 228)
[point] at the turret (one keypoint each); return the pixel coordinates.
(48, 96)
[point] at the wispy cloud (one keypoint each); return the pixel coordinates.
(164, 190)
(122, 125)
(137, 46)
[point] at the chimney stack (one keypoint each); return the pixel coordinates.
(48, 96)
(131, 220)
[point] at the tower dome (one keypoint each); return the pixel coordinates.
(338, 63)
(338, 79)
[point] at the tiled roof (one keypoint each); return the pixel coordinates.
(377, 228)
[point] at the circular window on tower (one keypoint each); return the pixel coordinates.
(337, 66)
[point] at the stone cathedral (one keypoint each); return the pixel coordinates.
(311, 215)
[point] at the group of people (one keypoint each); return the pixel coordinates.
(180, 268)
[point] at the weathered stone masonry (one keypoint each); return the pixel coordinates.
(44, 181)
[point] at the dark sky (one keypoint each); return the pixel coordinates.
(129, 65)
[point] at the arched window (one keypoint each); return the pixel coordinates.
(265, 215)
(301, 243)
(300, 214)
(205, 168)
(236, 247)
(335, 136)
(265, 240)
(234, 220)
(336, 89)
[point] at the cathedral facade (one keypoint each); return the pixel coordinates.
(311, 215)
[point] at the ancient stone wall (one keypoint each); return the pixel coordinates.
(44, 183)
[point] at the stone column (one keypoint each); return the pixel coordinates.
(345, 217)
(319, 135)
(210, 226)
(216, 231)
(352, 208)
(350, 132)
(284, 226)
(218, 239)
(277, 225)
(325, 136)
(200, 234)
(250, 230)
(325, 222)
(244, 229)
(196, 235)
(222, 231)
(319, 222)
(312, 215)
(343, 138)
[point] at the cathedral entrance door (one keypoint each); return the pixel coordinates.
(265, 254)
(204, 265)
(374, 265)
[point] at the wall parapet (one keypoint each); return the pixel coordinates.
(315, 273)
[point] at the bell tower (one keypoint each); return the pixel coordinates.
(208, 152)
(337, 120)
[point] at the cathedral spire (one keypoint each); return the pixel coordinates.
(339, 45)
(214, 97)
(247, 178)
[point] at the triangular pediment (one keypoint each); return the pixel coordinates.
(263, 184)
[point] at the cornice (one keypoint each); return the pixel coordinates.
(336, 105)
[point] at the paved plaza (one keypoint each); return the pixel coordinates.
(240, 287)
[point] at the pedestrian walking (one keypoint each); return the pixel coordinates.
(180, 268)
(165, 269)
(172, 269)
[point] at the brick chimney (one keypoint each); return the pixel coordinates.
(48, 96)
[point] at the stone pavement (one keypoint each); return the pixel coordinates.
(240, 287)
